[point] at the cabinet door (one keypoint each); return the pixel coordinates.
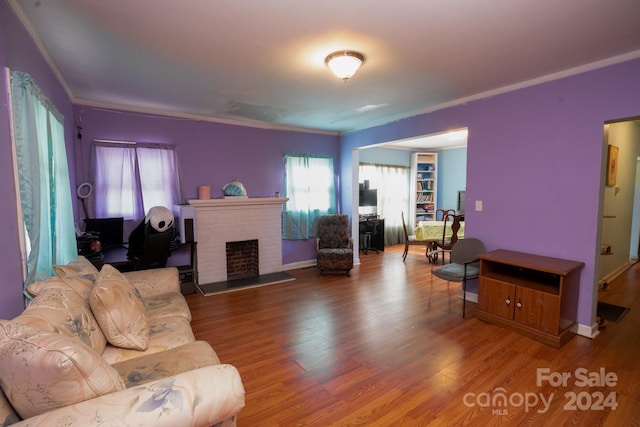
(496, 297)
(538, 310)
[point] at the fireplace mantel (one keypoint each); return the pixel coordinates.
(234, 219)
(238, 201)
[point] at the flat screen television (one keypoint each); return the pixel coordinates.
(110, 230)
(462, 197)
(368, 197)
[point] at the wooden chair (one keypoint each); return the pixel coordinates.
(441, 214)
(446, 244)
(410, 240)
(463, 265)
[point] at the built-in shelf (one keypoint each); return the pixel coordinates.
(423, 187)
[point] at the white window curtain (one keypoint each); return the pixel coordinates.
(131, 178)
(392, 183)
(310, 187)
(43, 180)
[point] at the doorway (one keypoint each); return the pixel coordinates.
(621, 201)
(452, 149)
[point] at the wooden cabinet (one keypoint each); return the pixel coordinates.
(534, 295)
(424, 179)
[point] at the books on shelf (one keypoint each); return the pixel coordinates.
(426, 185)
(425, 208)
(428, 167)
(424, 197)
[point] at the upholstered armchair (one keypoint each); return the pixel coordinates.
(334, 244)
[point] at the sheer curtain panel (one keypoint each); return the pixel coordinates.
(392, 183)
(43, 179)
(130, 178)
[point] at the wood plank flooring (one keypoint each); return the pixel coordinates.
(387, 346)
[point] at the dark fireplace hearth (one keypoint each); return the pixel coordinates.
(242, 259)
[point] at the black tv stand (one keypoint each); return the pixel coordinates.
(375, 227)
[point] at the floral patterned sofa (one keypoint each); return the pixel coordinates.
(111, 349)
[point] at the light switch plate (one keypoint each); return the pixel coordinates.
(478, 205)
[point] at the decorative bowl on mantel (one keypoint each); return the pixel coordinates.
(234, 189)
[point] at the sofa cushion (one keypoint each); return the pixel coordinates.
(166, 333)
(79, 283)
(64, 311)
(119, 310)
(156, 281)
(41, 370)
(167, 305)
(167, 363)
(78, 267)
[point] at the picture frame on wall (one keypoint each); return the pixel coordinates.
(612, 165)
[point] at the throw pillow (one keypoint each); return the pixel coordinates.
(41, 370)
(119, 310)
(80, 284)
(80, 266)
(64, 311)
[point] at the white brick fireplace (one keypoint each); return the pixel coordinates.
(236, 219)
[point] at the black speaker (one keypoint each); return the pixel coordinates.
(189, 230)
(185, 218)
(187, 282)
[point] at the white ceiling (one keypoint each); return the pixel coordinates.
(262, 62)
(438, 141)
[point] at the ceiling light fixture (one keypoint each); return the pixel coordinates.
(344, 63)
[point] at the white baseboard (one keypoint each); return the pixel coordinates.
(588, 331)
(299, 264)
(615, 273)
(470, 296)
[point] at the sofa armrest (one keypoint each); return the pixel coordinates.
(201, 397)
(156, 281)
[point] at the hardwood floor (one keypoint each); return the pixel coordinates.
(388, 347)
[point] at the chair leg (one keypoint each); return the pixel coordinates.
(431, 247)
(464, 296)
(406, 250)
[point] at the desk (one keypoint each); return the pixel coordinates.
(432, 230)
(117, 257)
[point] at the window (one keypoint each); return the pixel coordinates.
(131, 178)
(42, 180)
(310, 187)
(393, 196)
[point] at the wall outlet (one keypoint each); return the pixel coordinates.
(478, 205)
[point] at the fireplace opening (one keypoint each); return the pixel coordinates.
(242, 259)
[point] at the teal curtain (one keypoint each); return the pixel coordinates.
(43, 179)
(310, 188)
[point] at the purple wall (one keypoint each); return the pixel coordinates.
(212, 154)
(18, 52)
(534, 159)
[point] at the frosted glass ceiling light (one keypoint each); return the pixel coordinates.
(344, 63)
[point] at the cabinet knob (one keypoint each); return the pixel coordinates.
(508, 301)
(519, 304)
